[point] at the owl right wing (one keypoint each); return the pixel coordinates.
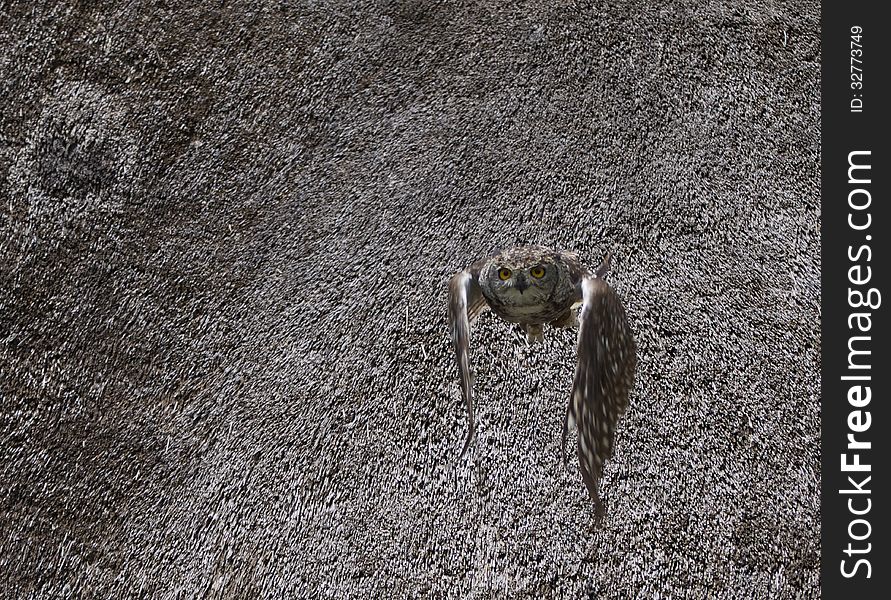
(466, 302)
(604, 376)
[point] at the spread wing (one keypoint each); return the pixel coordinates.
(604, 376)
(466, 302)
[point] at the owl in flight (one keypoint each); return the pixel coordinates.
(531, 286)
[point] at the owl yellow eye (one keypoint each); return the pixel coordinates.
(504, 274)
(537, 272)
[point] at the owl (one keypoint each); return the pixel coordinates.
(534, 286)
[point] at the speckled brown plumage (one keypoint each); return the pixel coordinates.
(534, 286)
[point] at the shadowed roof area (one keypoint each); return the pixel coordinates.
(226, 230)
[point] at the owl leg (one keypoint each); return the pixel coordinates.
(534, 333)
(568, 320)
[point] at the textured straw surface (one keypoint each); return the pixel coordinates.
(226, 230)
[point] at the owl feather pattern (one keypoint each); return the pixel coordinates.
(534, 286)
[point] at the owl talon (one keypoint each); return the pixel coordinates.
(534, 334)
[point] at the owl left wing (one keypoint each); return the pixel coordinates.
(604, 376)
(466, 302)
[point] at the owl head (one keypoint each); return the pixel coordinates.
(527, 275)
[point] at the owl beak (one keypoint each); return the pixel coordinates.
(521, 284)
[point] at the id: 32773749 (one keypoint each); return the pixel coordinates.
(856, 69)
